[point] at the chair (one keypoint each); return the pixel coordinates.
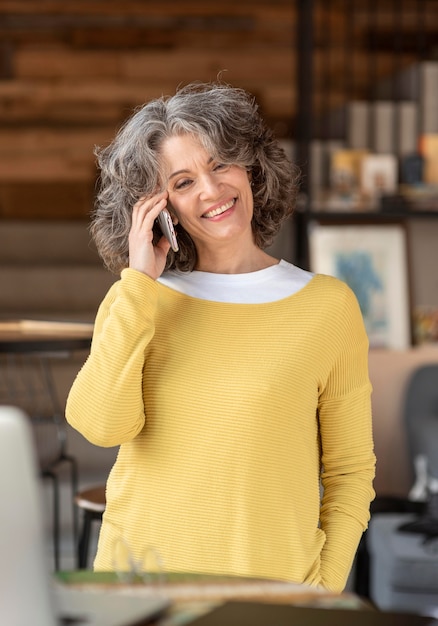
(403, 536)
(26, 381)
(92, 503)
(421, 420)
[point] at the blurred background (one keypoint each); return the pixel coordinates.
(349, 87)
(333, 78)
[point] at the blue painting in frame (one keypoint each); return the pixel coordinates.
(372, 260)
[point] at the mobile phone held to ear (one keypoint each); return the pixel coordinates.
(166, 225)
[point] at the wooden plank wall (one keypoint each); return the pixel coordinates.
(72, 71)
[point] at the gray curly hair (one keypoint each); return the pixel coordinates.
(228, 124)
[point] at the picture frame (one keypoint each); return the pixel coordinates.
(372, 259)
(378, 175)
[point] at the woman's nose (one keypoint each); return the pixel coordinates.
(209, 185)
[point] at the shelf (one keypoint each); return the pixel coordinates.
(371, 216)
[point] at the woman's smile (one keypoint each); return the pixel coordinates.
(220, 210)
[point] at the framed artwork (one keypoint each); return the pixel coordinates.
(372, 260)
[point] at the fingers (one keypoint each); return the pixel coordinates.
(144, 256)
(146, 210)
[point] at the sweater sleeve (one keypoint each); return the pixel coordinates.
(348, 460)
(105, 403)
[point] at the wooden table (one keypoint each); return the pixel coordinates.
(26, 350)
(20, 336)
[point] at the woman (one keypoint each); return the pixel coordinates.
(234, 383)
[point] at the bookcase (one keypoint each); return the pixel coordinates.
(366, 140)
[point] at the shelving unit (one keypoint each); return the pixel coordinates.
(374, 217)
(361, 51)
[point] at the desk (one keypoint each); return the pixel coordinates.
(193, 595)
(27, 336)
(26, 347)
(27, 350)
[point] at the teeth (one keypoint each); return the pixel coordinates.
(220, 209)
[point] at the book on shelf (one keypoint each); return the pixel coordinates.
(346, 168)
(407, 128)
(383, 126)
(358, 125)
(429, 97)
(428, 148)
(321, 152)
(317, 178)
(417, 82)
(412, 169)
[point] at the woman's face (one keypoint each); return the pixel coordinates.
(212, 201)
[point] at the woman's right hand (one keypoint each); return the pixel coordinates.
(143, 255)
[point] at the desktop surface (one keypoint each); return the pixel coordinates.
(265, 614)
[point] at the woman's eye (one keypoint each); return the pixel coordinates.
(182, 183)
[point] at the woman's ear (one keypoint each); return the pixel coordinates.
(175, 220)
(172, 213)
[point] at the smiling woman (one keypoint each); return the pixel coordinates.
(226, 124)
(234, 383)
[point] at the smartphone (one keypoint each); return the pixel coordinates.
(166, 225)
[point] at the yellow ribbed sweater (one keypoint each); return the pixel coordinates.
(222, 412)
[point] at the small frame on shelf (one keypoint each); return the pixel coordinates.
(378, 175)
(372, 260)
(425, 321)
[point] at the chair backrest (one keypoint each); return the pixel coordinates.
(421, 416)
(24, 576)
(26, 382)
